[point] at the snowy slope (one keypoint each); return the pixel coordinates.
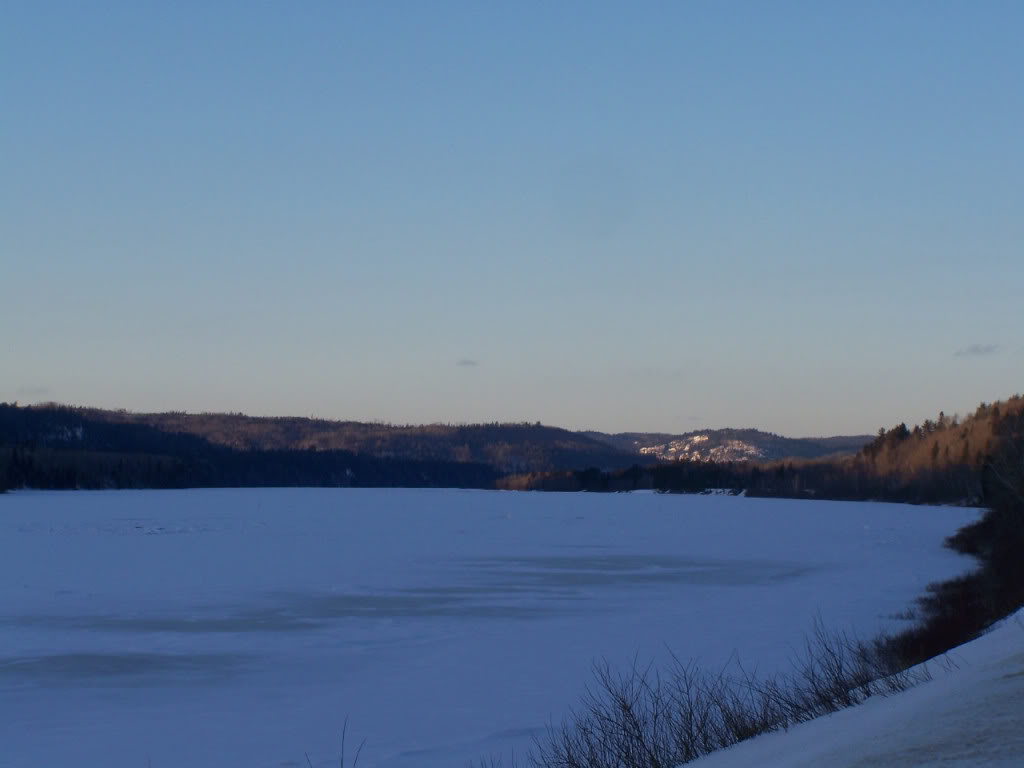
(970, 714)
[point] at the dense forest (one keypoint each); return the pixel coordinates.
(506, 447)
(944, 460)
(63, 448)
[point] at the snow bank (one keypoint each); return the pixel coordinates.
(970, 714)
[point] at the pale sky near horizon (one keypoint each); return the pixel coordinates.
(799, 216)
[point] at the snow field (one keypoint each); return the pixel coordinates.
(240, 627)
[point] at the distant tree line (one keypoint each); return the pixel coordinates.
(941, 461)
(519, 447)
(62, 449)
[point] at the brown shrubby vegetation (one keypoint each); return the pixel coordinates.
(644, 718)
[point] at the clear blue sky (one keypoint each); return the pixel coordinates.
(805, 217)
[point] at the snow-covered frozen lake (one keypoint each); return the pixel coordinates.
(229, 628)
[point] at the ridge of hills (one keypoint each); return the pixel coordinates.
(56, 446)
(730, 445)
(507, 448)
(504, 447)
(943, 460)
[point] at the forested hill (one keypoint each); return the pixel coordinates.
(55, 446)
(730, 445)
(508, 448)
(62, 448)
(214, 448)
(942, 460)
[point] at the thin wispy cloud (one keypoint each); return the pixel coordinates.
(976, 350)
(468, 362)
